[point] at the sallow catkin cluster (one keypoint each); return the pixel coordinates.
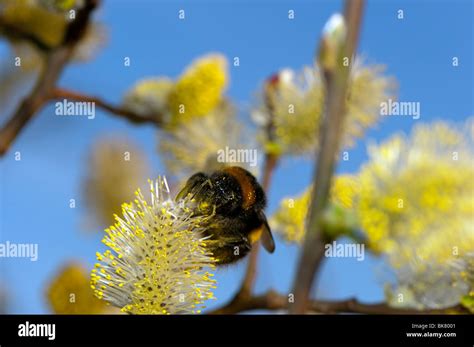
(295, 106)
(156, 258)
(413, 200)
(194, 94)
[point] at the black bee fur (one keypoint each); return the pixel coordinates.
(237, 201)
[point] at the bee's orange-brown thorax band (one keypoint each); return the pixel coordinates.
(248, 191)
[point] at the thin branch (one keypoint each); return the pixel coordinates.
(250, 275)
(244, 294)
(274, 301)
(56, 60)
(35, 101)
(336, 85)
(61, 93)
(271, 161)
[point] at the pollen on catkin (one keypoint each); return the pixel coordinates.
(199, 89)
(156, 260)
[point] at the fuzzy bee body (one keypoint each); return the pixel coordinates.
(237, 201)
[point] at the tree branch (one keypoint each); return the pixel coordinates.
(330, 132)
(56, 60)
(274, 301)
(244, 294)
(61, 93)
(271, 161)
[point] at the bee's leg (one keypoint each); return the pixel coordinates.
(232, 253)
(193, 183)
(228, 249)
(203, 193)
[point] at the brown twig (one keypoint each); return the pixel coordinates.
(35, 101)
(61, 93)
(56, 60)
(271, 162)
(244, 294)
(274, 301)
(336, 85)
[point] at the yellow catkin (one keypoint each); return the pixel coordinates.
(200, 89)
(70, 292)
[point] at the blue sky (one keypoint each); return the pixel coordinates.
(35, 192)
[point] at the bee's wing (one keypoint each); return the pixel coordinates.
(267, 238)
(194, 182)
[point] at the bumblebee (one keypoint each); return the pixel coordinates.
(236, 202)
